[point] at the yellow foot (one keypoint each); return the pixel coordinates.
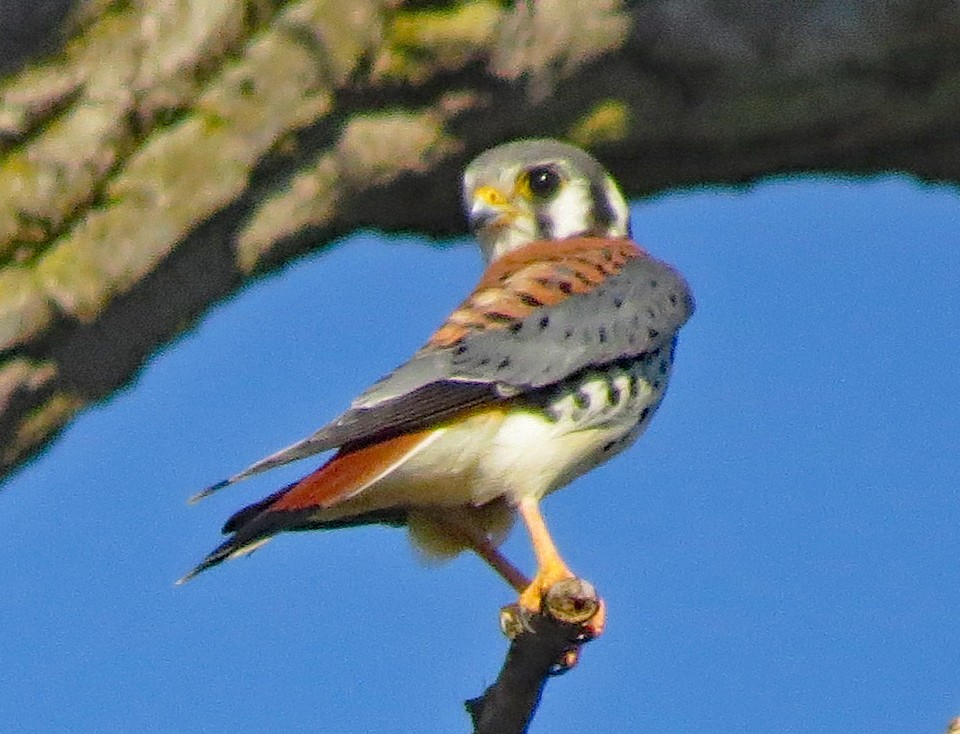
(532, 597)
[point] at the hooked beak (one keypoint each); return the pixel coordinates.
(490, 209)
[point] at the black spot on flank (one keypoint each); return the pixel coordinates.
(617, 302)
(568, 334)
(504, 363)
(602, 333)
(515, 327)
(651, 314)
(653, 333)
(460, 349)
(484, 362)
(544, 322)
(673, 299)
(654, 283)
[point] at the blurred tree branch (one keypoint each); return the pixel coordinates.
(541, 645)
(164, 153)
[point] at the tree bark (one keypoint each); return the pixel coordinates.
(162, 154)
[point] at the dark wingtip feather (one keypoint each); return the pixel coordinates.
(224, 552)
(219, 555)
(187, 576)
(209, 490)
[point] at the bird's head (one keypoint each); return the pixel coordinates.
(532, 190)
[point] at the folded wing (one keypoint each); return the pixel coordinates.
(539, 315)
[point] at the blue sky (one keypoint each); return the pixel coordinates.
(778, 553)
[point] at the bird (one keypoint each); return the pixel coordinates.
(554, 363)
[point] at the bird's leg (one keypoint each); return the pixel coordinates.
(480, 544)
(499, 563)
(550, 566)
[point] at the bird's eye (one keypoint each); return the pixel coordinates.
(543, 181)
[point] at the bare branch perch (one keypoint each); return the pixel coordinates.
(542, 645)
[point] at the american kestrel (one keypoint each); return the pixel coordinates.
(554, 363)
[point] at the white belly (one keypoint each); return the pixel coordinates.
(513, 451)
(537, 452)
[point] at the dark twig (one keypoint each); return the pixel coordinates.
(542, 645)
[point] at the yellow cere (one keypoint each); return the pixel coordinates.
(490, 196)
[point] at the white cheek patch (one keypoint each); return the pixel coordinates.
(569, 212)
